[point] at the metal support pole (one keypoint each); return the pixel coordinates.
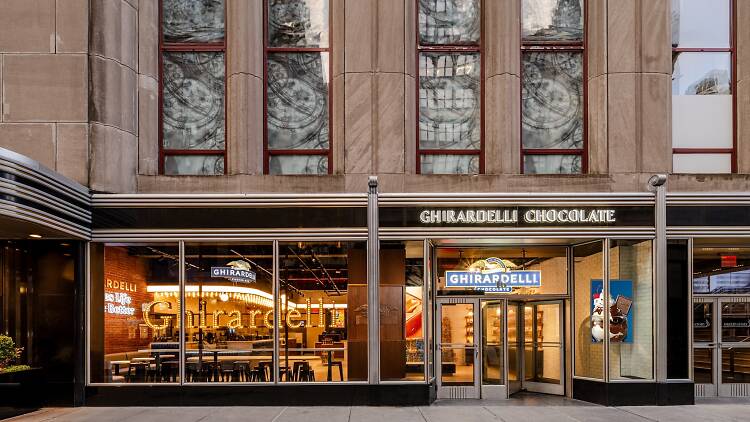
(373, 282)
(658, 185)
(181, 308)
(276, 314)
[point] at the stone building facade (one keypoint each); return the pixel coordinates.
(81, 85)
(600, 145)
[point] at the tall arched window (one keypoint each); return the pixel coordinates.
(553, 93)
(703, 84)
(192, 44)
(449, 89)
(297, 101)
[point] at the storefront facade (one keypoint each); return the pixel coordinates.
(374, 201)
(480, 295)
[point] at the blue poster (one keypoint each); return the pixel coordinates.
(621, 311)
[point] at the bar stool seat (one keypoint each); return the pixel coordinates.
(340, 366)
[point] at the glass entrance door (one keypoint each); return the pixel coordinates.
(515, 357)
(458, 349)
(721, 347)
(535, 347)
(493, 349)
(543, 347)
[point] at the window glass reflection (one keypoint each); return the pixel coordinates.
(449, 101)
(136, 337)
(702, 74)
(193, 100)
(228, 312)
(298, 164)
(323, 321)
(193, 21)
(700, 23)
(298, 23)
(449, 22)
(721, 269)
(703, 323)
(552, 20)
(199, 165)
(552, 164)
(552, 100)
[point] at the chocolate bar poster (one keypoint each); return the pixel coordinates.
(620, 303)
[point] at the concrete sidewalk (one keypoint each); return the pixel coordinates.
(533, 410)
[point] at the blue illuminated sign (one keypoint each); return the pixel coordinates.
(492, 276)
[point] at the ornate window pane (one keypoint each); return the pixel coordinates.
(193, 21)
(298, 23)
(449, 22)
(298, 164)
(700, 23)
(552, 164)
(193, 100)
(449, 101)
(298, 101)
(198, 165)
(449, 164)
(552, 99)
(552, 20)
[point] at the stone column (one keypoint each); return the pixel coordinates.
(502, 86)
(596, 84)
(639, 86)
(742, 87)
(244, 90)
(113, 110)
(375, 79)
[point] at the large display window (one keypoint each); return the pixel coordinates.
(133, 324)
(588, 317)
(228, 312)
(721, 268)
(239, 322)
(630, 308)
(323, 311)
(402, 311)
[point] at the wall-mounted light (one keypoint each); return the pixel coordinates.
(35, 236)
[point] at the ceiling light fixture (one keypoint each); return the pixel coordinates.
(35, 236)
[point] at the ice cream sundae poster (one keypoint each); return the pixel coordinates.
(620, 304)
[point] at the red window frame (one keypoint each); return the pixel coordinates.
(219, 47)
(557, 47)
(267, 152)
(732, 50)
(452, 48)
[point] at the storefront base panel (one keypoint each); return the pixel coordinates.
(633, 394)
(256, 395)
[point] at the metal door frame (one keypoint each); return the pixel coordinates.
(718, 388)
(517, 385)
(708, 390)
(457, 391)
(492, 391)
(543, 387)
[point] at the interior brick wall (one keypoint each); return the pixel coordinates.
(118, 329)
